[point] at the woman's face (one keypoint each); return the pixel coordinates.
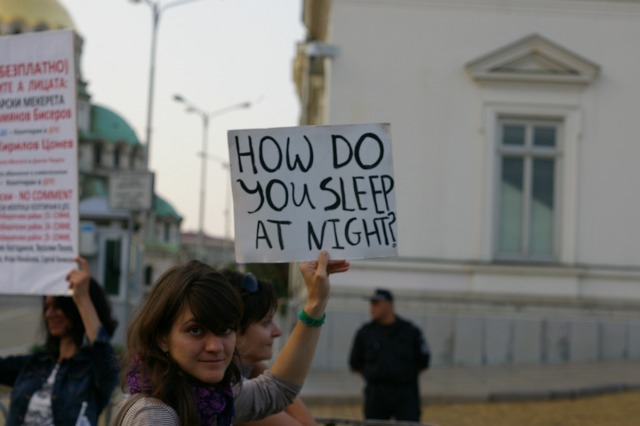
(57, 322)
(257, 343)
(198, 351)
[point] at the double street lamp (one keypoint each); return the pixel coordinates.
(205, 116)
(157, 9)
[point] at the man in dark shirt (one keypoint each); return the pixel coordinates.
(389, 352)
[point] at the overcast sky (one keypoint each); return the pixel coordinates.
(216, 53)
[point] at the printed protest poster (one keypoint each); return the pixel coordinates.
(38, 162)
(298, 190)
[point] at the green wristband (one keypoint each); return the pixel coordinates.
(310, 321)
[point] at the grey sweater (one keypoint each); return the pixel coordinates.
(254, 399)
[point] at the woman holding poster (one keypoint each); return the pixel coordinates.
(67, 380)
(182, 366)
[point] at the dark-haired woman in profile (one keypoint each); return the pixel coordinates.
(72, 377)
(181, 365)
(254, 342)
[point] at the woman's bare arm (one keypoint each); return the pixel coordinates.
(294, 360)
(79, 280)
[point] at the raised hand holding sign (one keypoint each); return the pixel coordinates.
(298, 190)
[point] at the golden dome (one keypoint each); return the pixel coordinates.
(33, 15)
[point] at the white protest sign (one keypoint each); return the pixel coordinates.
(298, 190)
(38, 162)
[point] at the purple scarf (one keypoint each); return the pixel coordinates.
(215, 405)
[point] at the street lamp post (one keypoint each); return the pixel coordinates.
(157, 9)
(205, 116)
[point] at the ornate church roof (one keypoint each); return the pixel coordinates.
(22, 16)
(19, 16)
(109, 126)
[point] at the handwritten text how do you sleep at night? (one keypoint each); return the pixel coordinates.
(287, 179)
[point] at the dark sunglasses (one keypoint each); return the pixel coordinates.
(249, 284)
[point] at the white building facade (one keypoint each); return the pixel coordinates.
(515, 146)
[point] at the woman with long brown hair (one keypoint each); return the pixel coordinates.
(181, 366)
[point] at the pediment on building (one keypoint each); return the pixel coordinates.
(533, 59)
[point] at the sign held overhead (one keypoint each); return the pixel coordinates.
(298, 190)
(38, 162)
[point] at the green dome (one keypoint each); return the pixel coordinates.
(111, 127)
(164, 209)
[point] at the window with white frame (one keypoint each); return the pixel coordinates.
(528, 163)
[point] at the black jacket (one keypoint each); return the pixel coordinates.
(391, 355)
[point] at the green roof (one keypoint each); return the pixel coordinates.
(111, 127)
(164, 209)
(91, 186)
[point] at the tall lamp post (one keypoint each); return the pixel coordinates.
(157, 9)
(205, 116)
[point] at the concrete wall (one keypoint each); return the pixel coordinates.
(493, 331)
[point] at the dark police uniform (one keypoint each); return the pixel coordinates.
(390, 358)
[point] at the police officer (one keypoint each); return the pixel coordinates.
(389, 352)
